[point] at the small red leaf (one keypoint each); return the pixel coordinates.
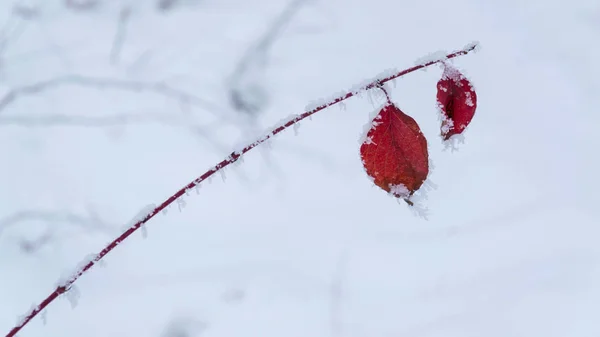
(457, 101)
(394, 153)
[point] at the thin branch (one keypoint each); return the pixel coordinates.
(255, 60)
(159, 88)
(90, 222)
(82, 5)
(120, 34)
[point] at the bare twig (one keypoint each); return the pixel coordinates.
(245, 92)
(166, 5)
(82, 5)
(91, 222)
(120, 34)
(160, 88)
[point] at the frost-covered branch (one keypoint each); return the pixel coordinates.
(67, 283)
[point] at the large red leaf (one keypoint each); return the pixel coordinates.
(457, 101)
(394, 153)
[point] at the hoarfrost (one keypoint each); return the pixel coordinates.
(237, 162)
(44, 317)
(140, 216)
(373, 122)
(399, 191)
(73, 295)
(315, 104)
(475, 45)
(420, 197)
(432, 57)
(181, 203)
(360, 87)
(453, 142)
(22, 318)
(469, 99)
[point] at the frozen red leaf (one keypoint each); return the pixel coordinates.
(457, 102)
(394, 153)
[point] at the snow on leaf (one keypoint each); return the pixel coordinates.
(457, 102)
(395, 153)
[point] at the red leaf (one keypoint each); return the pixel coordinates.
(394, 153)
(457, 101)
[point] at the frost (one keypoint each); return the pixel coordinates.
(315, 104)
(469, 99)
(432, 57)
(399, 191)
(296, 127)
(453, 142)
(358, 88)
(181, 204)
(239, 161)
(386, 74)
(222, 173)
(197, 188)
(419, 198)
(475, 45)
(141, 216)
(21, 318)
(373, 122)
(420, 211)
(43, 317)
(73, 295)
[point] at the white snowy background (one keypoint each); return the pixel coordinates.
(107, 106)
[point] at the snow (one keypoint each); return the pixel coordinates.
(499, 255)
